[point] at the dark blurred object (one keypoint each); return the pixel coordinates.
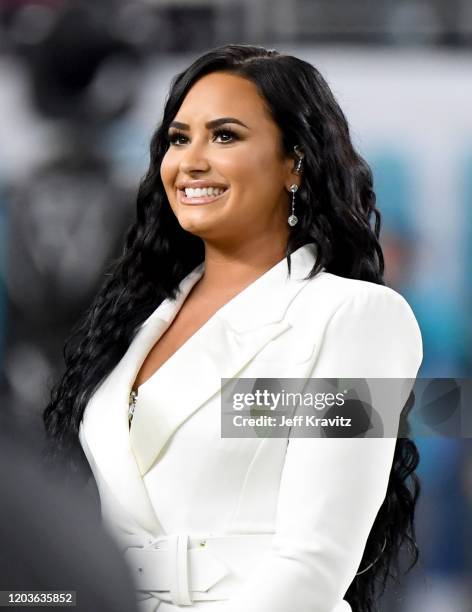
(53, 540)
(81, 69)
(25, 21)
(391, 22)
(65, 223)
(190, 27)
(115, 28)
(67, 219)
(195, 25)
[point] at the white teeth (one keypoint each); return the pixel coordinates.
(202, 192)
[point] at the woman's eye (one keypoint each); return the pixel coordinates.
(232, 135)
(177, 138)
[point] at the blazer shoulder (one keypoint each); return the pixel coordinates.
(373, 323)
(328, 295)
(335, 290)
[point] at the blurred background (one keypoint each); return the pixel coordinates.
(82, 87)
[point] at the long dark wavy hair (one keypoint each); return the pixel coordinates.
(337, 207)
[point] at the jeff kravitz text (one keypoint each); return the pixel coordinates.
(283, 421)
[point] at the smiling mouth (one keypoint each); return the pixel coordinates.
(199, 199)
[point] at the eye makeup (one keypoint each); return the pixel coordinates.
(174, 135)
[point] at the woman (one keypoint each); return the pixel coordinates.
(252, 256)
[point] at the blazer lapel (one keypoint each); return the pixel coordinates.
(220, 349)
(105, 422)
(167, 400)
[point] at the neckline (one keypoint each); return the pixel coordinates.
(176, 354)
(168, 309)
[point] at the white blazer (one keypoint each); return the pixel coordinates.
(248, 524)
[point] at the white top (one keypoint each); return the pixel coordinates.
(173, 473)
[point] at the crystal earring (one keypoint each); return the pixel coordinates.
(293, 220)
(300, 156)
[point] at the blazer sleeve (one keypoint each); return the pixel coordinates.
(332, 488)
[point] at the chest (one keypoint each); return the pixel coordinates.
(190, 318)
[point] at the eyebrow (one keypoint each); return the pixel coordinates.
(209, 124)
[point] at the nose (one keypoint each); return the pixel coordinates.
(194, 159)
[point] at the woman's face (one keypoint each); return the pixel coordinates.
(223, 137)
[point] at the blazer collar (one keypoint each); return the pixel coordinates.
(228, 340)
(240, 313)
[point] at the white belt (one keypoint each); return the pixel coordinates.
(182, 569)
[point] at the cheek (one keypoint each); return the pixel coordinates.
(253, 166)
(256, 176)
(239, 168)
(168, 169)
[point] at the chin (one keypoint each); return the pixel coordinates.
(198, 228)
(196, 222)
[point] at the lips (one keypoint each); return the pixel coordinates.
(199, 200)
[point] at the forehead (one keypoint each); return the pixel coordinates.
(221, 94)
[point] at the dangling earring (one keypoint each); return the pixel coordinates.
(293, 220)
(300, 156)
